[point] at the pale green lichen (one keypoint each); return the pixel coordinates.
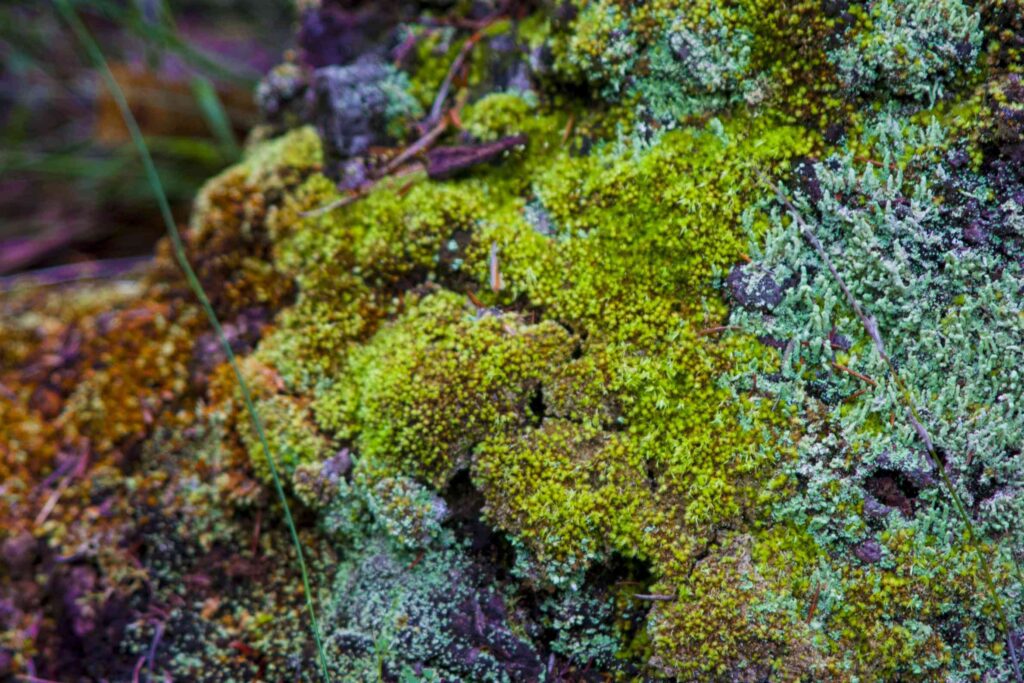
(913, 49)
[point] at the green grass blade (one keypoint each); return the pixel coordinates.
(100, 62)
(215, 114)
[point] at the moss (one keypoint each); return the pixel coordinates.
(439, 379)
(916, 275)
(498, 115)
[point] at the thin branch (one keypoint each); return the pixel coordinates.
(854, 373)
(715, 330)
(655, 597)
(415, 148)
(331, 206)
(456, 66)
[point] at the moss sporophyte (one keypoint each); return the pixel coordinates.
(655, 341)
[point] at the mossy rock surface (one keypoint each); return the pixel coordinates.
(702, 360)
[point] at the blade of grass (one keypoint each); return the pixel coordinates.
(204, 92)
(100, 62)
(215, 114)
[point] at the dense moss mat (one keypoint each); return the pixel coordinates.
(596, 408)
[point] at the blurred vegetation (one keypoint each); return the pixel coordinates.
(71, 187)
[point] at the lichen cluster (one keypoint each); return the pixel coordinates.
(597, 407)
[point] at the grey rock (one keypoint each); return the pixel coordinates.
(754, 289)
(874, 508)
(354, 105)
(869, 551)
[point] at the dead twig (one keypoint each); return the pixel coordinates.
(654, 597)
(856, 394)
(854, 373)
(65, 482)
(415, 148)
(715, 330)
(814, 602)
(331, 206)
(453, 70)
(497, 284)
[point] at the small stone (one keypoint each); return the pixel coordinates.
(868, 552)
(338, 466)
(354, 105)
(281, 95)
(974, 235)
(874, 508)
(754, 290)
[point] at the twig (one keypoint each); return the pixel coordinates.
(654, 597)
(151, 656)
(856, 394)
(415, 148)
(715, 330)
(337, 203)
(416, 560)
(51, 502)
(138, 669)
(814, 602)
(851, 371)
(473, 299)
(456, 66)
(65, 482)
(495, 269)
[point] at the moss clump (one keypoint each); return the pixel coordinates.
(440, 379)
(895, 233)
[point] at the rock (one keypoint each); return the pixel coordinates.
(753, 290)
(875, 508)
(281, 96)
(355, 105)
(869, 551)
(974, 235)
(334, 36)
(339, 466)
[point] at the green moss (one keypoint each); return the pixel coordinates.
(615, 438)
(912, 49)
(498, 115)
(439, 379)
(288, 426)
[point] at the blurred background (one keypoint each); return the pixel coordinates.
(72, 189)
